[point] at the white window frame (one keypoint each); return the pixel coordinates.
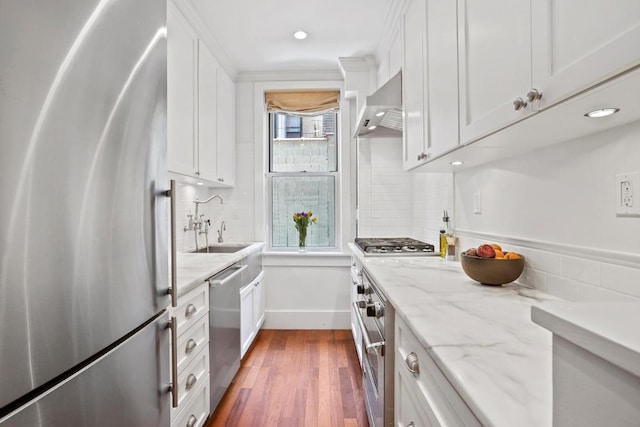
(263, 196)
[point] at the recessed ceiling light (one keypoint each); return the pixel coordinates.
(456, 163)
(603, 112)
(372, 127)
(200, 183)
(381, 113)
(300, 35)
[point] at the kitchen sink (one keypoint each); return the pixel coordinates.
(222, 248)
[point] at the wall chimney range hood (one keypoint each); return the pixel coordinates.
(381, 114)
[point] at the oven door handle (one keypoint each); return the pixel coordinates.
(367, 341)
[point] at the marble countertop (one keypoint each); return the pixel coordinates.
(193, 269)
(606, 329)
(481, 337)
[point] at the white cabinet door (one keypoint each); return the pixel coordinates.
(441, 77)
(414, 93)
(181, 89)
(258, 305)
(246, 317)
(226, 129)
(207, 113)
(494, 39)
(577, 43)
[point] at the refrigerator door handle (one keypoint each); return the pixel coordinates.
(173, 324)
(173, 289)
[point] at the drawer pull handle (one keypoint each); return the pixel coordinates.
(191, 381)
(190, 311)
(412, 363)
(519, 104)
(191, 422)
(534, 95)
(191, 345)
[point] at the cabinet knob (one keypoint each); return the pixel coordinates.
(411, 424)
(519, 104)
(191, 381)
(191, 422)
(412, 362)
(221, 179)
(534, 95)
(190, 311)
(197, 173)
(191, 345)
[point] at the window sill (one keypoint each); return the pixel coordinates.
(306, 259)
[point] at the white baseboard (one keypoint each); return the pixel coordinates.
(293, 319)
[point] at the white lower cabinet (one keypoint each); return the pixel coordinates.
(196, 412)
(423, 396)
(251, 311)
(192, 316)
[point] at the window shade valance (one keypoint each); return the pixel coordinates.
(301, 102)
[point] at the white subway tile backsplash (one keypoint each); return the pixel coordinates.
(583, 270)
(588, 293)
(620, 279)
(562, 287)
(534, 278)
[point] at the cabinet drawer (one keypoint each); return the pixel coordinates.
(191, 341)
(411, 408)
(193, 374)
(444, 401)
(192, 307)
(196, 411)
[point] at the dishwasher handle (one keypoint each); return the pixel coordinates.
(223, 278)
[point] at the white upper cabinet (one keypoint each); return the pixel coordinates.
(207, 112)
(414, 93)
(537, 52)
(182, 150)
(578, 43)
(430, 80)
(201, 107)
(494, 39)
(225, 148)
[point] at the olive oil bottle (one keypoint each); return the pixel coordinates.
(444, 232)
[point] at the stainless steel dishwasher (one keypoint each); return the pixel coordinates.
(224, 328)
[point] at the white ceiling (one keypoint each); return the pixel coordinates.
(257, 35)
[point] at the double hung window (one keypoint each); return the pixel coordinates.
(303, 176)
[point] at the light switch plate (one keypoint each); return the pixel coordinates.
(628, 194)
(477, 203)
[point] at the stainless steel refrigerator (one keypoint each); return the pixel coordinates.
(83, 213)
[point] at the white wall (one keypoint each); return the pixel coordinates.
(556, 206)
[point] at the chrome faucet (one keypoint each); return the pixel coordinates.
(198, 221)
(223, 227)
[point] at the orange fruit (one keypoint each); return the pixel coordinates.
(512, 255)
(499, 254)
(495, 246)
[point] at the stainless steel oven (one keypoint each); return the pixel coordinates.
(375, 320)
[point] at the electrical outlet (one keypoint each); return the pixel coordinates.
(627, 193)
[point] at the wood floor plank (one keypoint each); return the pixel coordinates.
(307, 378)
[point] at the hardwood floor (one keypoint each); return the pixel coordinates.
(296, 378)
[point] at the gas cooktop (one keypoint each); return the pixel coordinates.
(394, 246)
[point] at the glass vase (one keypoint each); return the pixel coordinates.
(302, 239)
